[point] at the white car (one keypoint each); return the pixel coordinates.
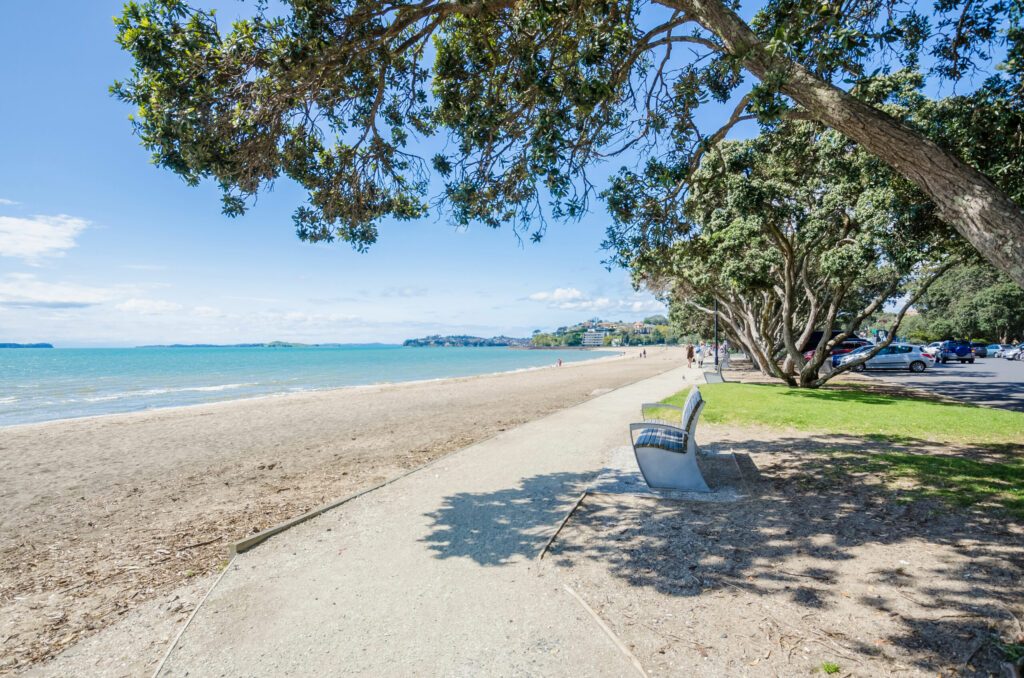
(892, 357)
(1014, 353)
(933, 350)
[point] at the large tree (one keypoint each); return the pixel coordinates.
(793, 233)
(333, 93)
(973, 301)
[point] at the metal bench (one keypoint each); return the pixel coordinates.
(650, 412)
(667, 453)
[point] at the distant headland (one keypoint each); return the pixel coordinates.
(465, 340)
(26, 345)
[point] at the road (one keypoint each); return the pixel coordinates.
(994, 382)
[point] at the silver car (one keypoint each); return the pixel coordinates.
(892, 357)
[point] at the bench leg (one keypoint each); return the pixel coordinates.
(670, 470)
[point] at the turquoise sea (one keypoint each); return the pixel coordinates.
(46, 384)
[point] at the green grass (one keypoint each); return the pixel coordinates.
(857, 412)
(830, 667)
(959, 479)
(955, 479)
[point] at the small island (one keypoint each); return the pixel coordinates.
(2, 345)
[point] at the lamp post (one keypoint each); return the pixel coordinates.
(716, 333)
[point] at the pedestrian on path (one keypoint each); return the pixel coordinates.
(702, 348)
(689, 355)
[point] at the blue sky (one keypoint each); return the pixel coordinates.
(100, 248)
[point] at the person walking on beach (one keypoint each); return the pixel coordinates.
(689, 355)
(559, 362)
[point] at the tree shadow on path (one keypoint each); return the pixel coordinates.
(496, 528)
(825, 538)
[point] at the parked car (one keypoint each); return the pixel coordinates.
(1001, 352)
(956, 350)
(1014, 352)
(979, 349)
(892, 357)
(836, 356)
(841, 348)
(996, 350)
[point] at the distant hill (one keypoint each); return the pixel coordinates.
(26, 345)
(465, 340)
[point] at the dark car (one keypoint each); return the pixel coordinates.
(980, 349)
(956, 350)
(841, 348)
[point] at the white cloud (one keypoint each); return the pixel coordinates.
(38, 236)
(207, 312)
(5, 201)
(25, 290)
(572, 299)
(560, 294)
(148, 306)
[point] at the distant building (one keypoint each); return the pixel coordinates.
(594, 337)
(641, 328)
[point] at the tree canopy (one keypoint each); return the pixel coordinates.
(530, 94)
(972, 301)
(793, 233)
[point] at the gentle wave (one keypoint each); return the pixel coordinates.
(160, 391)
(42, 385)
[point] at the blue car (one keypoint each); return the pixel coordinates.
(956, 350)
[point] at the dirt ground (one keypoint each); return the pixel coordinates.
(822, 569)
(108, 518)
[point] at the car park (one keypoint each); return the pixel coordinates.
(892, 357)
(956, 350)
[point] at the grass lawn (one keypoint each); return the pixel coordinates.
(959, 479)
(857, 412)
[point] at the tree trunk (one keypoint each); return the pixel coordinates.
(966, 199)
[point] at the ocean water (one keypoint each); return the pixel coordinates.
(46, 384)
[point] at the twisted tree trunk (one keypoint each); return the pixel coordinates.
(966, 198)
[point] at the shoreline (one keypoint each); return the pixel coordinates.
(618, 351)
(105, 515)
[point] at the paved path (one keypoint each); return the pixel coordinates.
(994, 382)
(432, 575)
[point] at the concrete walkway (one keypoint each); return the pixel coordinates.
(431, 575)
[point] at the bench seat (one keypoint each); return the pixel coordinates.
(673, 440)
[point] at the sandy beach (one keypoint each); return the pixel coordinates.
(103, 515)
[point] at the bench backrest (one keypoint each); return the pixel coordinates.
(688, 408)
(690, 424)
